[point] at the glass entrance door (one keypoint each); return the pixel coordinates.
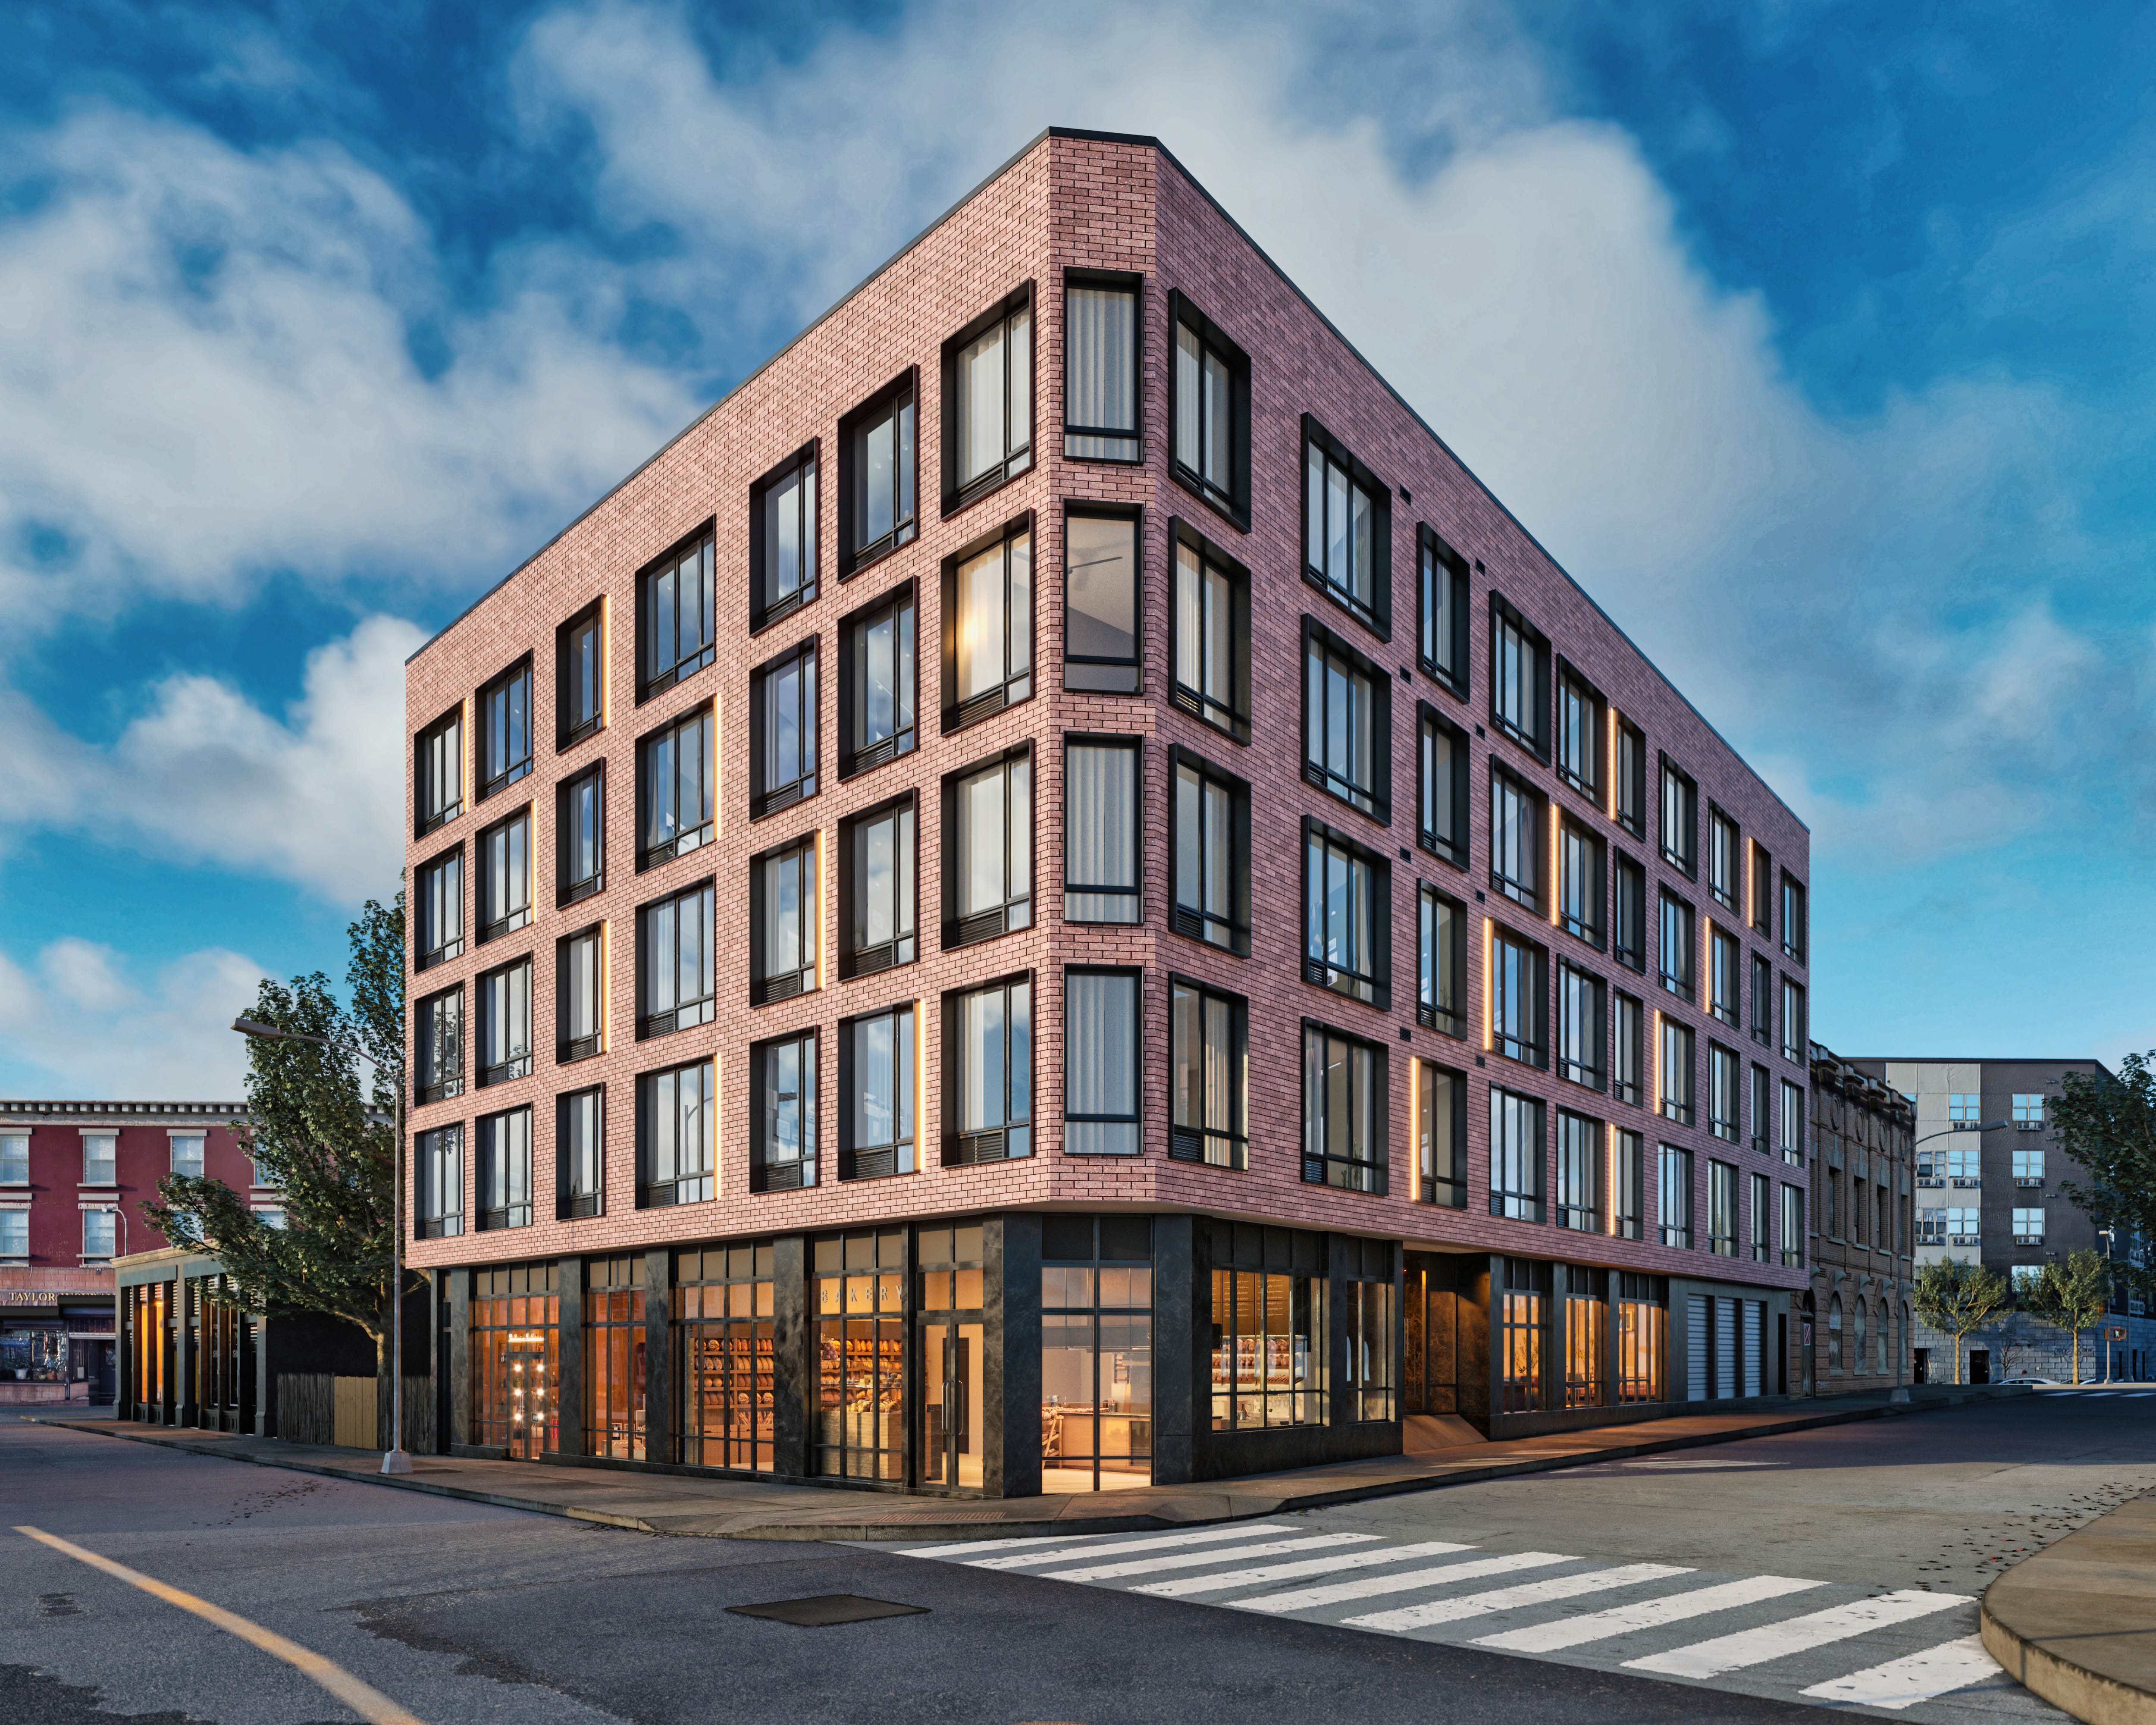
(530, 1397)
(952, 1423)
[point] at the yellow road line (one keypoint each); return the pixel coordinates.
(371, 1705)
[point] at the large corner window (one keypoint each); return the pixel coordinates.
(1101, 1013)
(1208, 1065)
(1101, 829)
(439, 1159)
(988, 871)
(677, 615)
(1441, 1116)
(988, 610)
(877, 1068)
(1346, 514)
(504, 730)
(440, 1046)
(1101, 601)
(1441, 617)
(1100, 393)
(1517, 825)
(1346, 723)
(677, 981)
(1580, 1038)
(505, 1169)
(1578, 1171)
(782, 724)
(782, 539)
(987, 402)
(1579, 722)
(1519, 679)
(674, 1135)
(1440, 786)
(1343, 1110)
(783, 930)
(876, 885)
(1680, 819)
(988, 1068)
(438, 903)
(877, 477)
(504, 1023)
(675, 790)
(1347, 917)
(580, 677)
(1517, 1155)
(877, 683)
(580, 971)
(1519, 998)
(1210, 410)
(439, 764)
(1211, 840)
(785, 1155)
(1212, 610)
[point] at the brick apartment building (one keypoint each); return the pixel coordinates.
(1856, 1315)
(1988, 1174)
(73, 1175)
(1054, 895)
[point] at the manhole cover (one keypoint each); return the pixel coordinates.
(824, 1609)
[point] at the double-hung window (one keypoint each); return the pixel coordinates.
(1212, 608)
(877, 683)
(439, 904)
(1210, 410)
(1442, 966)
(1516, 1154)
(1347, 513)
(579, 677)
(504, 1023)
(1441, 785)
(100, 1155)
(1101, 606)
(1723, 1068)
(1676, 948)
(1440, 1117)
(1680, 819)
(1580, 1038)
(580, 835)
(187, 1155)
(785, 1158)
(1101, 829)
(877, 1070)
(440, 772)
(1579, 718)
(1211, 836)
(783, 722)
(504, 730)
(1793, 1021)
(98, 1227)
(987, 601)
(1793, 917)
(440, 1046)
(877, 477)
(988, 851)
(1517, 822)
(505, 880)
(1723, 960)
(677, 606)
(674, 1134)
(1101, 1014)
(1519, 1008)
(505, 1169)
(676, 939)
(2028, 1225)
(1629, 1050)
(1630, 944)
(1722, 1209)
(1793, 1124)
(877, 884)
(439, 1171)
(580, 1141)
(1722, 858)
(1442, 611)
(1673, 1199)
(1348, 917)
(1343, 1110)
(580, 965)
(989, 1069)
(1675, 1088)
(784, 944)
(1578, 1171)
(987, 394)
(1100, 393)
(782, 539)
(14, 1160)
(675, 790)
(1519, 679)
(1579, 890)
(1209, 1073)
(1347, 722)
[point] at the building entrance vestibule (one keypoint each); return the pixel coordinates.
(951, 1431)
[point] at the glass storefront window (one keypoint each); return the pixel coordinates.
(516, 1359)
(953, 1333)
(724, 1301)
(1097, 1354)
(34, 1354)
(1523, 1327)
(1585, 1339)
(1367, 1369)
(1642, 1303)
(861, 1355)
(615, 1359)
(1268, 1350)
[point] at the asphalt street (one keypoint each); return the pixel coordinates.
(464, 1613)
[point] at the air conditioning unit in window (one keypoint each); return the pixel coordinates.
(2027, 1239)
(2028, 1180)
(1965, 1239)
(1966, 1180)
(1964, 1126)
(2028, 1126)
(1930, 1180)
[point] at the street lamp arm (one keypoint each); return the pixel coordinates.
(1958, 1129)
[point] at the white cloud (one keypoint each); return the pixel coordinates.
(73, 1023)
(204, 775)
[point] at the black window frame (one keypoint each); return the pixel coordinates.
(1377, 796)
(1628, 1086)
(767, 797)
(1445, 1191)
(1718, 1055)
(486, 1154)
(1595, 898)
(568, 1049)
(1014, 914)
(1234, 502)
(1795, 916)
(767, 1173)
(703, 714)
(492, 927)
(1685, 859)
(1430, 1013)
(1628, 801)
(1532, 1049)
(1371, 1174)
(1315, 970)
(1527, 893)
(423, 957)
(1579, 1172)
(1131, 670)
(1795, 1051)
(803, 853)
(570, 1202)
(1763, 1000)
(1675, 1235)
(445, 1141)
(1761, 904)
(425, 790)
(1514, 1202)
(764, 609)
(1628, 1193)
(1194, 1143)
(428, 1040)
(656, 680)
(957, 495)
(1569, 678)
(1012, 1140)
(1436, 562)
(1115, 281)
(703, 1010)
(569, 728)
(1720, 941)
(1596, 1039)
(1377, 617)
(1507, 617)
(1628, 878)
(503, 683)
(1723, 894)
(1075, 817)
(1429, 723)
(1134, 1119)
(1016, 686)
(1763, 1122)
(1196, 923)
(901, 395)
(570, 887)
(516, 1066)
(1232, 717)
(1680, 1110)
(903, 603)
(903, 946)
(900, 1153)
(665, 1194)
(1683, 984)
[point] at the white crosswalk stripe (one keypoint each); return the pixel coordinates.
(1183, 1586)
(1647, 1614)
(1191, 1559)
(1164, 1542)
(1778, 1641)
(1510, 1599)
(1920, 1676)
(1371, 1586)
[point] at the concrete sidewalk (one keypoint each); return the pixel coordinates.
(752, 1509)
(2076, 1622)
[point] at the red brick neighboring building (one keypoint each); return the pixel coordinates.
(73, 1177)
(1335, 832)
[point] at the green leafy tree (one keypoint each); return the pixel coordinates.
(2107, 1125)
(321, 1127)
(1958, 1297)
(2073, 1295)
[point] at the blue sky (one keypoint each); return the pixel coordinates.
(1812, 337)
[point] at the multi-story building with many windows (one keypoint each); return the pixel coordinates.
(1988, 1175)
(1856, 1318)
(1162, 945)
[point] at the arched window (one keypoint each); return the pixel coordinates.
(1833, 1334)
(1902, 1339)
(1879, 1343)
(1856, 1354)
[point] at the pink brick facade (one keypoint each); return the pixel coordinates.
(1068, 202)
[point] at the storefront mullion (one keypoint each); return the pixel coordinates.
(516, 1359)
(859, 1302)
(615, 1358)
(724, 1311)
(1096, 1336)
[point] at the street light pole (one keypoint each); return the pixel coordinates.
(393, 1459)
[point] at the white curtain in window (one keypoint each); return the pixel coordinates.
(1101, 385)
(1100, 846)
(1100, 1063)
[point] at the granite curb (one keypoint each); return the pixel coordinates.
(2075, 1623)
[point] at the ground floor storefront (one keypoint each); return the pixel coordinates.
(56, 1338)
(1011, 1354)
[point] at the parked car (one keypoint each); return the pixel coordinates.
(2029, 1380)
